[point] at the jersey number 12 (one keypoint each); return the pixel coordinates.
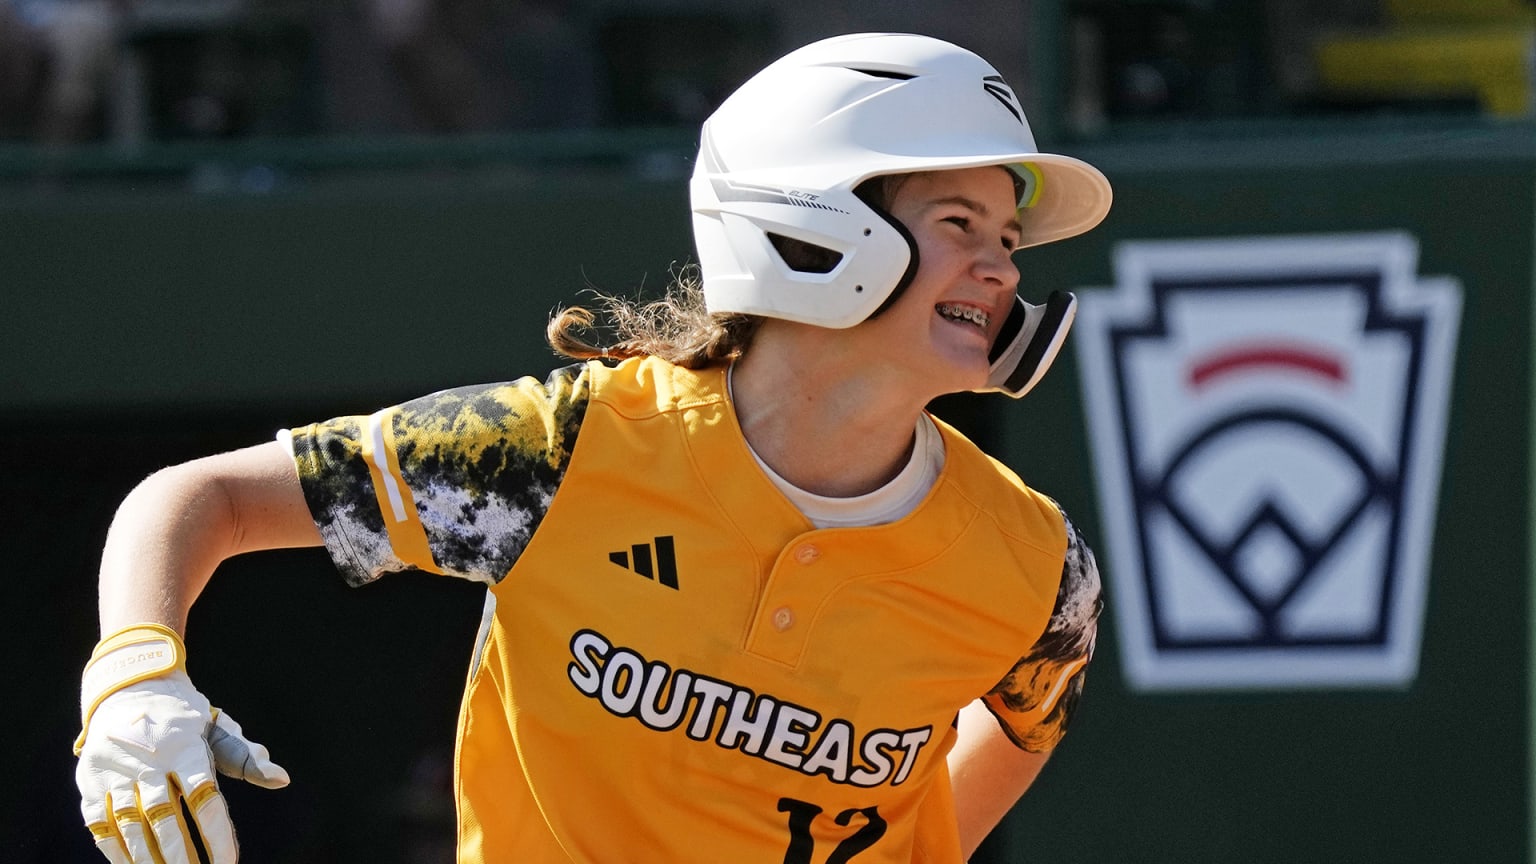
(802, 844)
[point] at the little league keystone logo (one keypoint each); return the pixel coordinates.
(1267, 416)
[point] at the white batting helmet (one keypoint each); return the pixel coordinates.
(784, 153)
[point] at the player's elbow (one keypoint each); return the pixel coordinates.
(188, 507)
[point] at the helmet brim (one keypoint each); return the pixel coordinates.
(1072, 197)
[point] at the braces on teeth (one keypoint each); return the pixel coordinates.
(959, 313)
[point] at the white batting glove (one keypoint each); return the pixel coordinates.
(150, 741)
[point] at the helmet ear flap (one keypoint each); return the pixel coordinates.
(822, 257)
(1029, 342)
(912, 262)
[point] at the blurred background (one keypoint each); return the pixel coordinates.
(219, 218)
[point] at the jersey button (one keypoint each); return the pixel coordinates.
(807, 554)
(783, 618)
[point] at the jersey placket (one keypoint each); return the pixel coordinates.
(795, 591)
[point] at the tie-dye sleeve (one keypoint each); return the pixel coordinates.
(1036, 699)
(453, 483)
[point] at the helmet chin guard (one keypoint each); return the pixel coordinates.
(782, 156)
(1028, 343)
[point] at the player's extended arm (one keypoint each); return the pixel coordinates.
(988, 773)
(150, 741)
(182, 522)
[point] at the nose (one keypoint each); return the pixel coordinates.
(995, 266)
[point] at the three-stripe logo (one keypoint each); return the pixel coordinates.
(662, 567)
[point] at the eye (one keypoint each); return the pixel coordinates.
(963, 221)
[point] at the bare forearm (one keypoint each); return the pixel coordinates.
(175, 528)
(168, 536)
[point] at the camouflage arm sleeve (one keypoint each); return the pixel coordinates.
(455, 482)
(1036, 699)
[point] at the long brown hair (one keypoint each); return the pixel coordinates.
(675, 327)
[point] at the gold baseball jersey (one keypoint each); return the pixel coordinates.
(675, 665)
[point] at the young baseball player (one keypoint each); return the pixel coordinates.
(746, 600)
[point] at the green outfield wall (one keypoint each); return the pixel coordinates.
(154, 314)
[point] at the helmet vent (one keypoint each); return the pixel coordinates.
(885, 73)
(803, 257)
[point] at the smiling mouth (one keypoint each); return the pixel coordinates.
(968, 314)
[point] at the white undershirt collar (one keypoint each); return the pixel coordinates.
(886, 504)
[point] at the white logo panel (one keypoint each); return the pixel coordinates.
(1267, 416)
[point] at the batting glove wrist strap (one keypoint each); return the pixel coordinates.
(124, 658)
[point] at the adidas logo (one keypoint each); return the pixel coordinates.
(662, 568)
